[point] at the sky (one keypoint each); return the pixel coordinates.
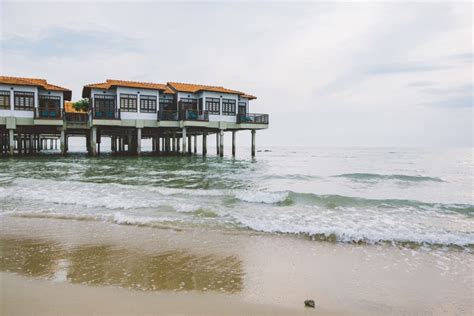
(328, 73)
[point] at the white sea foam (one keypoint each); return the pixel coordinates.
(261, 196)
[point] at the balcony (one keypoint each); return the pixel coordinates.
(106, 113)
(193, 115)
(76, 117)
(53, 113)
(252, 118)
(167, 116)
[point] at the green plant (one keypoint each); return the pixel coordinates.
(81, 105)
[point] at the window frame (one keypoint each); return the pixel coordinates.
(106, 99)
(229, 107)
(5, 98)
(24, 100)
(128, 102)
(213, 106)
(148, 103)
(54, 101)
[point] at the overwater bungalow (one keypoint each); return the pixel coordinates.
(172, 115)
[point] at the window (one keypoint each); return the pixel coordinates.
(188, 104)
(24, 100)
(242, 108)
(148, 103)
(166, 103)
(49, 102)
(128, 102)
(228, 107)
(213, 105)
(5, 100)
(104, 105)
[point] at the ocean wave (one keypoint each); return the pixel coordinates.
(377, 177)
(261, 196)
(335, 201)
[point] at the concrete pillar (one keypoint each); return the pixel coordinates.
(218, 147)
(11, 142)
(93, 142)
(204, 144)
(253, 142)
(139, 141)
(221, 143)
(233, 143)
(195, 144)
(63, 142)
(189, 144)
(173, 145)
(184, 140)
(157, 144)
(55, 143)
(178, 145)
(130, 145)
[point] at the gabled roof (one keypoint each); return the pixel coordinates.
(248, 96)
(111, 83)
(193, 88)
(36, 82)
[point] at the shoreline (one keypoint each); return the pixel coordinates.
(229, 273)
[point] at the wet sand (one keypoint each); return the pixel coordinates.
(55, 266)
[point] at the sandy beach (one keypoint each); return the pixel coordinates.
(55, 266)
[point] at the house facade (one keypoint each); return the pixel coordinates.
(28, 99)
(171, 115)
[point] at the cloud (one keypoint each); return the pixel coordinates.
(458, 102)
(65, 42)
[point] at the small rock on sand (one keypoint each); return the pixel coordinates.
(309, 303)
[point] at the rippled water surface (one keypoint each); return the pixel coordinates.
(350, 195)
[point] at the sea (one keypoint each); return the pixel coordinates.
(412, 197)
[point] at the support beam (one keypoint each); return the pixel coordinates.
(233, 143)
(204, 144)
(195, 144)
(173, 145)
(184, 140)
(221, 143)
(93, 142)
(253, 142)
(217, 144)
(63, 142)
(189, 144)
(11, 148)
(139, 141)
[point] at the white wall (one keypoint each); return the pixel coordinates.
(18, 113)
(221, 118)
(138, 115)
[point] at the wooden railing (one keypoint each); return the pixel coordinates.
(252, 118)
(167, 116)
(105, 114)
(76, 117)
(193, 115)
(48, 113)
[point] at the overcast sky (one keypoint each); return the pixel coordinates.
(329, 74)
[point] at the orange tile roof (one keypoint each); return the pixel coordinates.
(248, 96)
(170, 87)
(36, 82)
(122, 83)
(193, 88)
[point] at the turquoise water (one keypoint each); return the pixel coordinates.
(419, 196)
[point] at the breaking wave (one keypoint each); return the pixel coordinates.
(377, 177)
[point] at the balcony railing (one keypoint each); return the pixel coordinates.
(193, 115)
(167, 116)
(106, 114)
(252, 118)
(48, 113)
(76, 117)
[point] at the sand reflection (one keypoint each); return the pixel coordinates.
(177, 270)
